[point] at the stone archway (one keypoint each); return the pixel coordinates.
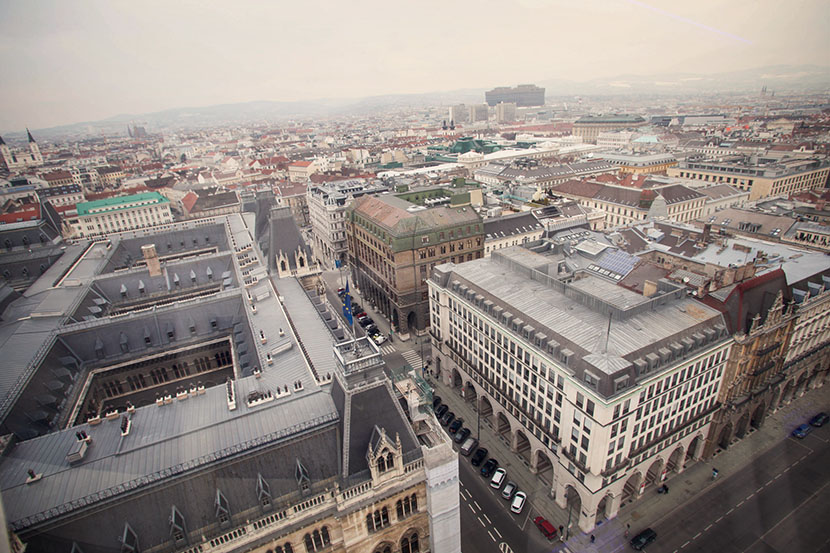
(574, 504)
(654, 473)
(502, 426)
(787, 394)
(544, 467)
(776, 398)
(412, 322)
(801, 387)
(813, 380)
(486, 410)
(631, 489)
(725, 436)
(470, 393)
(694, 445)
(396, 321)
(521, 446)
(604, 508)
(741, 427)
(457, 381)
(757, 419)
(675, 462)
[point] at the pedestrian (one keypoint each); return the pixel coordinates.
(627, 529)
(592, 538)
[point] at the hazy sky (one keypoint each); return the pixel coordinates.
(67, 61)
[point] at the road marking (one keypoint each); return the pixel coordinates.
(476, 504)
(491, 535)
(487, 518)
(684, 545)
(719, 519)
(496, 530)
(482, 522)
(764, 535)
(696, 536)
(777, 476)
(707, 528)
(471, 508)
(741, 503)
(750, 495)
(730, 511)
(504, 548)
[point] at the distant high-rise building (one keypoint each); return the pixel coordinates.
(479, 112)
(506, 112)
(523, 95)
(458, 113)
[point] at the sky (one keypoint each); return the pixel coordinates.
(65, 62)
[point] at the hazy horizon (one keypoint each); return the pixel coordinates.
(71, 62)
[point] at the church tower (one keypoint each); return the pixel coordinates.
(35, 149)
(5, 154)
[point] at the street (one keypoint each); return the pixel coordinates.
(779, 503)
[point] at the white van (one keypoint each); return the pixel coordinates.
(498, 478)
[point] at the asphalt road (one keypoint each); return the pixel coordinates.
(779, 504)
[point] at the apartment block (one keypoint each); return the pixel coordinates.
(602, 390)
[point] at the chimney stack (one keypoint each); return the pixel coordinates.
(152, 259)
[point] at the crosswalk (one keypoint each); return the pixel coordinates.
(388, 349)
(413, 359)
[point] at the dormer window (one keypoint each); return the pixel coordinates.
(263, 492)
(301, 474)
(223, 512)
(178, 531)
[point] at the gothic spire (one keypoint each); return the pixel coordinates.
(31, 139)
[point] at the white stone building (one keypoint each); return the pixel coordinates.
(601, 390)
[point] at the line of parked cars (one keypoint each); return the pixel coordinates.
(802, 430)
(489, 469)
(363, 319)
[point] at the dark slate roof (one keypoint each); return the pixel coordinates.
(375, 406)
(286, 237)
(511, 224)
(128, 249)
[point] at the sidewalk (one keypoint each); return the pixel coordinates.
(651, 507)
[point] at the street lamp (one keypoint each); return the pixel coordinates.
(570, 510)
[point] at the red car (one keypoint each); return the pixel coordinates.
(545, 527)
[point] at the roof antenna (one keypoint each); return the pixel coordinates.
(607, 335)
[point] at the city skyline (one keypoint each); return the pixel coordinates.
(66, 64)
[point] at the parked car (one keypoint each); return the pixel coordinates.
(508, 491)
(498, 478)
(365, 321)
(518, 502)
(547, 529)
(642, 539)
(440, 410)
(341, 292)
(468, 446)
(456, 426)
(820, 419)
(379, 338)
(488, 468)
(801, 431)
(462, 435)
(361, 314)
(436, 401)
(448, 417)
(370, 330)
(479, 456)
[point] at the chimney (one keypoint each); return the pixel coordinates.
(649, 288)
(707, 230)
(152, 259)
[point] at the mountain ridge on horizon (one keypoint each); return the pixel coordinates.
(779, 78)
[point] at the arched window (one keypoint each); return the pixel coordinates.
(413, 504)
(381, 464)
(302, 261)
(317, 539)
(324, 532)
(309, 545)
(390, 460)
(409, 544)
(399, 508)
(288, 548)
(283, 266)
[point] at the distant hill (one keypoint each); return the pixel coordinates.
(780, 78)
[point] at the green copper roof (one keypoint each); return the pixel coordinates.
(120, 202)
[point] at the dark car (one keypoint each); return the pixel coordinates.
(366, 321)
(820, 420)
(436, 401)
(479, 456)
(371, 330)
(801, 431)
(356, 308)
(462, 435)
(456, 426)
(448, 417)
(644, 538)
(489, 467)
(440, 410)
